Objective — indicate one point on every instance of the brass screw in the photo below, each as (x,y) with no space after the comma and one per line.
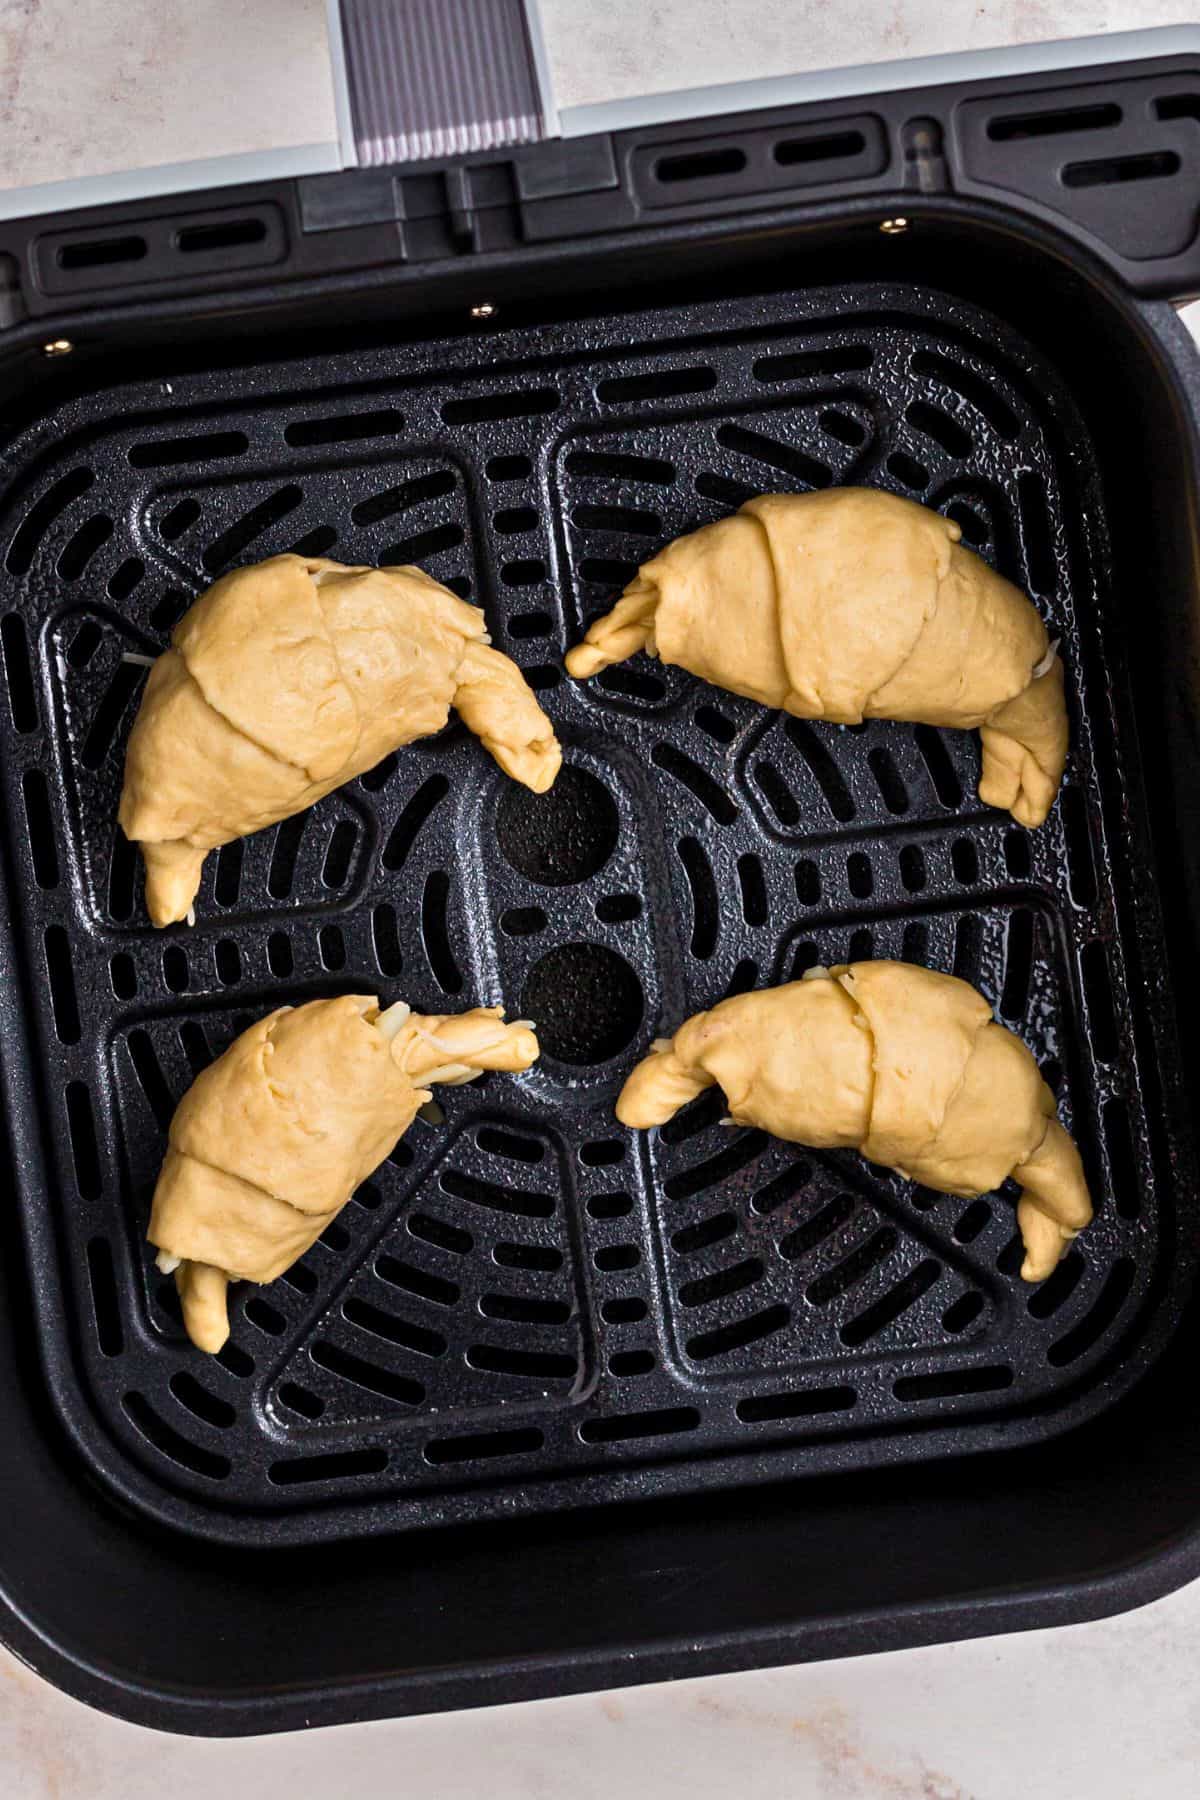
(58,347)
(485,310)
(893,227)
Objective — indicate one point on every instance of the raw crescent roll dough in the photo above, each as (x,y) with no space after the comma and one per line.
(898,1062)
(287,679)
(268,1144)
(853,604)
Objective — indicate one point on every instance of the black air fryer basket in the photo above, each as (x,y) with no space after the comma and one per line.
(552,1405)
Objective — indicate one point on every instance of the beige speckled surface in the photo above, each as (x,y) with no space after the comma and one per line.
(1110,1711)
(624,47)
(89,86)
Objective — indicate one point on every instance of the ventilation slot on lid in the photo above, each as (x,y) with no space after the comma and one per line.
(1011,126)
(758,162)
(1151,166)
(1178,106)
(160,250)
(701,165)
(220,234)
(95,253)
(839,144)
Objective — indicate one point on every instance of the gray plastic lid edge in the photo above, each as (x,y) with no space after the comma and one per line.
(609,115)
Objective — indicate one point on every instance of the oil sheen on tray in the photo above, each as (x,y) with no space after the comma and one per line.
(530,1307)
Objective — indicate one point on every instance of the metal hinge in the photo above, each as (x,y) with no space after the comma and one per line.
(422,79)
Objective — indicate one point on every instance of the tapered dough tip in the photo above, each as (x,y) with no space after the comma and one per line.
(202,1294)
(1032,810)
(628,1112)
(542,764)
(1046,1241)
(655,1089)
(534,765)
(168,901)
(211,1339)
(162,913)
(172,881)
(525,1047)
(1025,793)
(167,912)
(1006,791)
(585,660)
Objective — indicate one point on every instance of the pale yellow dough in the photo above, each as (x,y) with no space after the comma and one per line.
(898,1062)
(854,604)
(290,677)
(268,1144)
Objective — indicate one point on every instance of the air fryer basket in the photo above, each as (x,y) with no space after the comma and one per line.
(834,1417)
(530,1306)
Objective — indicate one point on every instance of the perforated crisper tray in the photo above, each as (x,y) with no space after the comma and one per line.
(527,1307)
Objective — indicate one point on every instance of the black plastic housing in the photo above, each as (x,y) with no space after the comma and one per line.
(714,1576)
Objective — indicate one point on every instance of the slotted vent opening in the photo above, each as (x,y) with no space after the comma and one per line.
(791,152)
(220,234)
(700,165)
(1009,127)
(1104,171)
(99,253)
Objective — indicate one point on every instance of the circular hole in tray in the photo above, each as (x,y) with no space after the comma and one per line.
(586,1000)
(560,837)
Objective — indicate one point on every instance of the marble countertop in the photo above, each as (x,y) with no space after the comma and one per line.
(1109,1710)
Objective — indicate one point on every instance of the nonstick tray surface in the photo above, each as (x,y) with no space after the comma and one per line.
(528,1307)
